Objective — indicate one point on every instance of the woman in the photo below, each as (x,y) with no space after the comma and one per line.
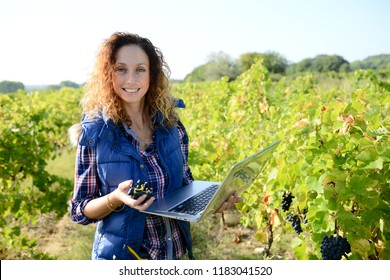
(130,131)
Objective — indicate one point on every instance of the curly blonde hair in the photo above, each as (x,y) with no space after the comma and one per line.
(99,91)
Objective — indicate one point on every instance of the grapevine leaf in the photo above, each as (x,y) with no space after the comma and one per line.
(312,184)
(378,164)
(370,200)
(299,247)
(365,156)
(272,174)
(361,247)
(332,204)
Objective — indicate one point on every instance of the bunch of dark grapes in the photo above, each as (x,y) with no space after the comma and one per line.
(140,189)
(286,201)
(295,223)
(333,248)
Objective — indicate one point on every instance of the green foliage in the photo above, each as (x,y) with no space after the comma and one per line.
(63,84)
(198,74)
(320,63)
(69,84)
(245,61)
(334,155)
(10,86)
(33,129)
(274,62)
(376,62)
(219,65)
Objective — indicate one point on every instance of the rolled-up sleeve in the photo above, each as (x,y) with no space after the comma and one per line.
(85,185)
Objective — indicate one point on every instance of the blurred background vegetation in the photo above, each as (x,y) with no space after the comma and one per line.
(223,65)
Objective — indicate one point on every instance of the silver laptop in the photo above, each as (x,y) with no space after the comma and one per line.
(196,200)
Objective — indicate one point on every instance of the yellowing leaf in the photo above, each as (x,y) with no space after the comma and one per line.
(378,164)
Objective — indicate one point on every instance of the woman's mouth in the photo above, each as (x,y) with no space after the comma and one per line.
(131,90)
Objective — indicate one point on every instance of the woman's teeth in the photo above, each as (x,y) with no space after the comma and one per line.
(131,90)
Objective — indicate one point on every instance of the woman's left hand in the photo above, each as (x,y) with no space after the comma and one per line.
(229,202)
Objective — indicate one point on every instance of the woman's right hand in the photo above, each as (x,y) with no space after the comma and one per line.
(122,194)
(99,208)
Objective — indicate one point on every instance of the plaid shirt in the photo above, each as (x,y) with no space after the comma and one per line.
(86,188)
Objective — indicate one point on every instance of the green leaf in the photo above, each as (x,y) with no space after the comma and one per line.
(299,247)
(361,247)
(312,184)
(378,164)
(365,156)
(272,174)
(332,204)
(370,200)
(358,184)
(348,222)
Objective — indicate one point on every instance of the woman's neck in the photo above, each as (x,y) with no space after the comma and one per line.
(140,124)
(136,114)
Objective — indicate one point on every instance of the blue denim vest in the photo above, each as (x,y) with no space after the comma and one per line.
(118,161)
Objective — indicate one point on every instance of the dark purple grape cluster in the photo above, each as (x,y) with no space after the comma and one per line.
(295,223)
(287,199)
(334,247)
(140,189)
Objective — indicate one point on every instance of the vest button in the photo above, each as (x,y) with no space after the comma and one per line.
(106,135)
(142,166)
(91,142)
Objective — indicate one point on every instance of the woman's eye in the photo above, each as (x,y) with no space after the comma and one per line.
(141,69)
(121,69)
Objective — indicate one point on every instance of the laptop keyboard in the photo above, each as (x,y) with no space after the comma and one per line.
(197,203)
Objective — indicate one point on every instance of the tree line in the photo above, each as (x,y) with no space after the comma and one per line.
(221,64)
(12,86)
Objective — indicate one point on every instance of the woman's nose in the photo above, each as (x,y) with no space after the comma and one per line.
(131,76)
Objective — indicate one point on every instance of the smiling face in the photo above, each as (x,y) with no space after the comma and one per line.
(131,75)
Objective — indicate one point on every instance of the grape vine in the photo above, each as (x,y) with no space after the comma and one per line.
(334,155)
(33,130)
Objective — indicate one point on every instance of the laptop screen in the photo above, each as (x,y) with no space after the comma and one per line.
(241,176)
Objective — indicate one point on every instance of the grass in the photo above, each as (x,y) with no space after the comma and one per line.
(215,241)
(64,163)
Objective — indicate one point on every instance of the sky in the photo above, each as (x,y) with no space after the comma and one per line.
(49,41)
